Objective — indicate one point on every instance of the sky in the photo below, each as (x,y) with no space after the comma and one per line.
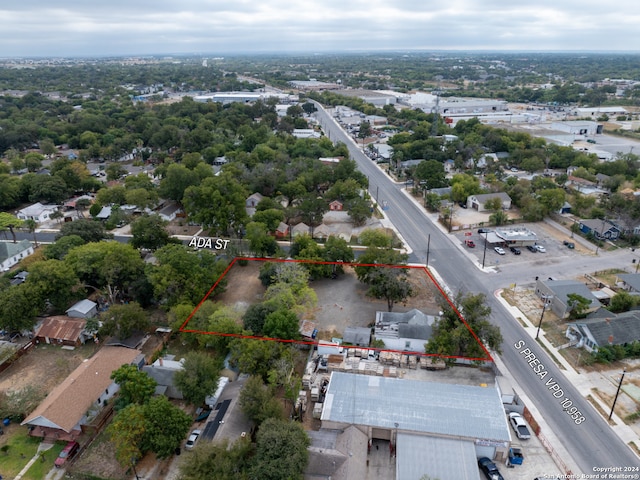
(43,28)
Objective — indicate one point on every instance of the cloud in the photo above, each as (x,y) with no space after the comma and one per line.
(118,27)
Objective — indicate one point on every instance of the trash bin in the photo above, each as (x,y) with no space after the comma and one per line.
(6,422)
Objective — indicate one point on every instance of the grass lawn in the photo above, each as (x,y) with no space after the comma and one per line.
(21,449)
(40,468)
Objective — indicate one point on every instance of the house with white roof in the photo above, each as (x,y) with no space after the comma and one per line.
(11,253)
(38,212)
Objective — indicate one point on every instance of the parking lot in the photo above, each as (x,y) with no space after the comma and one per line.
(547,237)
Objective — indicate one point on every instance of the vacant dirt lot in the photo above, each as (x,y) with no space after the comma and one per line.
(43,367)
(342,302)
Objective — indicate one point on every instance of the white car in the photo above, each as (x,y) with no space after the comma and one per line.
(499,250)
(540,248)
(193,438)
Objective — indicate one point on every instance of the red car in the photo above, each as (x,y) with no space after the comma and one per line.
(470,244)
(67,452)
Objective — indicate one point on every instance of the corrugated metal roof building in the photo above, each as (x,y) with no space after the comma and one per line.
(390,406)
(441,458)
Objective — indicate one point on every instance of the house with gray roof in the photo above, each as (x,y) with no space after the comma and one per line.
(337,454)
(11,253)
(407,331)
(83,309)
(600,229)
(556,293)
(479,201)
(360,336)
(630,282)
(163,371)
(613,329)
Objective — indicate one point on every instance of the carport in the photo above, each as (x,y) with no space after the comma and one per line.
(492,239)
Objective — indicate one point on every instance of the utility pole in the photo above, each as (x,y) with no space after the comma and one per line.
(428,245)
(617,393)
(546,300)
(484,254)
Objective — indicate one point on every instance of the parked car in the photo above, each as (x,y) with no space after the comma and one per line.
(532,249)
(67,452)
(540,248)
(470,243)
(519,426)
(462,204)
(591,140)
(193,438)
(483,230)
(499,250)
(569,244)
(489,469)
(515,250)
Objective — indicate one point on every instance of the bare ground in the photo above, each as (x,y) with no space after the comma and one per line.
(44,366)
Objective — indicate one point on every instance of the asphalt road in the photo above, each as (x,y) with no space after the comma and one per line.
(590,442)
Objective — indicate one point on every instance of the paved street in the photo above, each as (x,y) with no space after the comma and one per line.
(591,443)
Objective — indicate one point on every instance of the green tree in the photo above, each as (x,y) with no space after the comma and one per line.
(577,305)
(149,232)
(256,357)
(124,320)
(452,337)
(432,173)
(30,225)
(165,427)
(258,401)
(48,189)
(312,210)
(52,280)
(499,217)
(88,230)
(224,320)
(359,210)
(283,324)
(388,283)
(10,222)
(111,265)
(135,385)
(199,377)
(622,302)
(61,247)
(493,204)
(532,164)
(115,171)
(176,181)
(375,238)
(17,308)
(255,316)
(271,217)
(217,203)
(126,431)
(337,249)
(182,275)
(260,242)
(218,460)
(281,450)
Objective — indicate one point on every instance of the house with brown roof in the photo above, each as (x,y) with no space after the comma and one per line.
(61,330)
(336,205)
(72,405)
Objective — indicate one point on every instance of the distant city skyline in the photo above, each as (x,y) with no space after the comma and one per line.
(64,28)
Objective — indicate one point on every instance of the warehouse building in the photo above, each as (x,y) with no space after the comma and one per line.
(421,421)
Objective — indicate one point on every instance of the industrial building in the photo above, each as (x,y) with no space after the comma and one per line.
(423,423)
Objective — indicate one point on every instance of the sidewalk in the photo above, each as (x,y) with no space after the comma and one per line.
(580,381)
(43,447)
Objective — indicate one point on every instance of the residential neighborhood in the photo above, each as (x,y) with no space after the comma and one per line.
(382,279)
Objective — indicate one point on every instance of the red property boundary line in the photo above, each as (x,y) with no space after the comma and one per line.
(183,328)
